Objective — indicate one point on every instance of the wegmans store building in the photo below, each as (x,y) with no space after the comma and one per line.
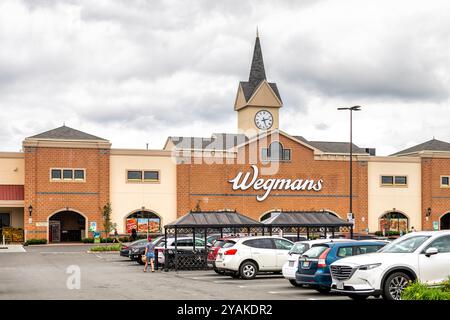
(57,187)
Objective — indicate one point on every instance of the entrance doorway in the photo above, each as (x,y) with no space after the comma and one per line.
(445,221)
(66,226)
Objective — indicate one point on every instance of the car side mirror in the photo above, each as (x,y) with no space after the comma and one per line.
(431,251)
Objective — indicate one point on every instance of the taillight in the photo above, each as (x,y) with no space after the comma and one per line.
(321,263)
(230,252)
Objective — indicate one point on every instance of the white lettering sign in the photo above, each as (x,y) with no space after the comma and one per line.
(247,181)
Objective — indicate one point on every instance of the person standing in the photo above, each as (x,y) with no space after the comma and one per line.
(133,235)
(149,254)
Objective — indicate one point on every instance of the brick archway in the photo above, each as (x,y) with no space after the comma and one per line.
(444,221)
(66,225)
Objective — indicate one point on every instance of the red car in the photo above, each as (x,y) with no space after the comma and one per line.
(214,249)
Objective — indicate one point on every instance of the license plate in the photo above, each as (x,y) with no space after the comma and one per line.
(305,264)
(291,263)
(340,285)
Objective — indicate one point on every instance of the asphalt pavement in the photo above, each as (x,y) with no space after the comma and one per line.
(70,272)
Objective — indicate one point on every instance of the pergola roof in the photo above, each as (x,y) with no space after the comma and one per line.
(213,219)
(305,219)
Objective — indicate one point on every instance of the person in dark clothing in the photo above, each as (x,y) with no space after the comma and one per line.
(133,235)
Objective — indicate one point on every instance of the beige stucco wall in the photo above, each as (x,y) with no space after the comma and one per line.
(12,166)
(128,197)
(404,199)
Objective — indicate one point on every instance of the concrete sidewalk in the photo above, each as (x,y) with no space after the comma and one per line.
(11,248)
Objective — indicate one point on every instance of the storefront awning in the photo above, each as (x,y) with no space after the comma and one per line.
(11,192)
(305,219)
(214,219)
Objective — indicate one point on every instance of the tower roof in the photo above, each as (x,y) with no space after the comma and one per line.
(257,74)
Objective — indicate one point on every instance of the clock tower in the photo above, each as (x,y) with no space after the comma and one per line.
(257,100)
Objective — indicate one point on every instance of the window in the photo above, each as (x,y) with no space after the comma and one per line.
(143,222)
(387,180)
(56,174)
(445,181)
(4,220)
(299,248)
(367,249)
(394,180)
(442,244)
(315,251)
(394,221)
(275,152)
(78,174)
(142,175)
(134,175)
(345,252)
(407,245)
(151,175)
(281,244)
(259,243)
(67,174)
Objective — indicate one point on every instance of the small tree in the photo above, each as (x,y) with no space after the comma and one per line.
(108,225)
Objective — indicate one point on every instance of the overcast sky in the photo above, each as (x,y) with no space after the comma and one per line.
(135,72)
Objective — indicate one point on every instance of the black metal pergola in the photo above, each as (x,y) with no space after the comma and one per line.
(306,222)
(201,224)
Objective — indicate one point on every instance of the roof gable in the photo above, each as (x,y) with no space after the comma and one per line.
(264,96)
(430,145)
(65,133)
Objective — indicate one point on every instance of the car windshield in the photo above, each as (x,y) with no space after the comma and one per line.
(315,251)
(299,248)
(138,242)
(407,245)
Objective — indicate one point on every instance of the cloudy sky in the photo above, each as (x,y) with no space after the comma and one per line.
(135,72)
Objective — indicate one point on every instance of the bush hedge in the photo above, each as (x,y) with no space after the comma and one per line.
(420,291)
(388,234)
(114,247)
(105,240)
(35,241)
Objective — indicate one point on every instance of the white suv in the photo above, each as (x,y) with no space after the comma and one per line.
(249,255)
(422,256)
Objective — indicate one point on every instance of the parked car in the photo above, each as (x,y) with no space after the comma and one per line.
(421,256)
(250,255)
(314,265)
(137,251)
(290,267)
(183,243)
(125,250)
(214,249)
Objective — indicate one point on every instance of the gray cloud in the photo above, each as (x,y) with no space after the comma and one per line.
(138,71)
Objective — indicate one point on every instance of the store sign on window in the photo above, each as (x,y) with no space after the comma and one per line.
(251,180)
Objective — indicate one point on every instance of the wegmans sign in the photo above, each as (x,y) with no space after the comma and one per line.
(251,180)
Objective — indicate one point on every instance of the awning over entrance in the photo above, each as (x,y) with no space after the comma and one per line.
(11,192)
(305,219)
(214,219)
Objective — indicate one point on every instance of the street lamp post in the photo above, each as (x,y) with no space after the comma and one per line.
(351,109)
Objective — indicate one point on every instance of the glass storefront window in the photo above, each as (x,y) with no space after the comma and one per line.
(394,221)
(143,222)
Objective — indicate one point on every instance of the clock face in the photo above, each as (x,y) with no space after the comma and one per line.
(263,120)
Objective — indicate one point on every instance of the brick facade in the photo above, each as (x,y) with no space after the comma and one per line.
(433,196)
(48,197)
(207,184)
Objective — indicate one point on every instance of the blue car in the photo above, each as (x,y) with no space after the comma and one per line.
(314,264)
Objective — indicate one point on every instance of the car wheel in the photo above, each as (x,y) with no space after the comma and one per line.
(294,283)
(323,289)
(394,285)
(357,297)
(141,260)
(248,270)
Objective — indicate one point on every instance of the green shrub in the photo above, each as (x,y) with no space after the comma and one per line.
(87,240)
(114,247)
(420,291)
(388,234)
(35,241)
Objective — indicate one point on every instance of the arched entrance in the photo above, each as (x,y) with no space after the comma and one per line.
(66,226)
(394,221)
(144,221)
(445,221)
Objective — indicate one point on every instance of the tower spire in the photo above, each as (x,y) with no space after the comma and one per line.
(257,71)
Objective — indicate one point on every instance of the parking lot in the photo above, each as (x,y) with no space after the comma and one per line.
(42,273)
